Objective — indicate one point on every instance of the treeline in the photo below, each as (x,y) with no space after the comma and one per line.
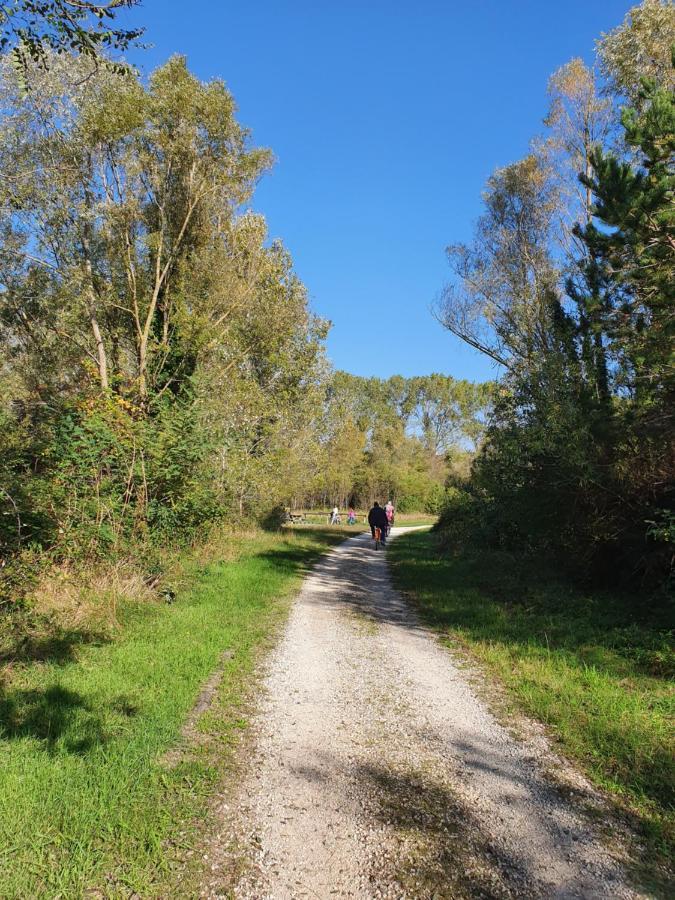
(160,370)
(399,439)
(568,286)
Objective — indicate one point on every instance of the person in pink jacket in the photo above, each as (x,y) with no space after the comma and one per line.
(389,511)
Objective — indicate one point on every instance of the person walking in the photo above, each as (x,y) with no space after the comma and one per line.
(377,518)
(335,516)
(389,512)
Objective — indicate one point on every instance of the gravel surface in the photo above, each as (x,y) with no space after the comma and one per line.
(378,773)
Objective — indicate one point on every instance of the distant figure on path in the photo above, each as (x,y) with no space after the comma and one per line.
(389,512)
(351,516)
(377,518)
(335,516)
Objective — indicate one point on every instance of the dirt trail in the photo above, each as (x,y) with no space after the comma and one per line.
(377,772)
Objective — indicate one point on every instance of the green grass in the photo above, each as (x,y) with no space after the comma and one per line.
(596,673)
(87,799)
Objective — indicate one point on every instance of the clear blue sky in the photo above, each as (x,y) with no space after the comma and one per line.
(386,118)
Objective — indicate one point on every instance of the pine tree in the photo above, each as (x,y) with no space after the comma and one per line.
(631,249)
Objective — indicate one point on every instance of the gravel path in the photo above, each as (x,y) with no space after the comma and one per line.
(377,772)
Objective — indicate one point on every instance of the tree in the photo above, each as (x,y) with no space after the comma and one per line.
(639,48)
(156,347)
(395,437)
(634,245)
(341,460)
(262,373)
(448,413)
(578,119)
(113,196)
(34,29)
(578,457)
(506,279)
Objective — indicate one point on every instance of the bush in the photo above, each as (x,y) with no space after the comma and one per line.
(18,574)
(274,518)
(464,519)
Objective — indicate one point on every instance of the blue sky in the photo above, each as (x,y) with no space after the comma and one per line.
(385,118)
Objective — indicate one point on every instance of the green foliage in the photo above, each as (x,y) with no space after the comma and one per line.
(33,29)
(464,517)
(159,364)
(634,248)
(395,439)
(577,460)
(662,528)
(640,48)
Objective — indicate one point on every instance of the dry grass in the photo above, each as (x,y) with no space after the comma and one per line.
(70,599)
(79,598)
(69,606)
(224,544)
(86,596)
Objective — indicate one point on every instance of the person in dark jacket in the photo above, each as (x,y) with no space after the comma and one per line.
(377,518)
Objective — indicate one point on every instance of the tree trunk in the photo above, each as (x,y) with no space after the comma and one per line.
(100,352)
(142,366)
(87,236)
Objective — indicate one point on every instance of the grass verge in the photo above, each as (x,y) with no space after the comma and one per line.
(588,666)
(88,804)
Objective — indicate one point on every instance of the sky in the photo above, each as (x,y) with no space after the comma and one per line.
(385,119)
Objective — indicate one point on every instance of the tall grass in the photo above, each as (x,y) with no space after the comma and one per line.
(87,801)
(596,668)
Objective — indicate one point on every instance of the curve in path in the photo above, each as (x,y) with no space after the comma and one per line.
(377,771)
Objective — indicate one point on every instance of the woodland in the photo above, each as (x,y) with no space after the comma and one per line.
(161,371)
(167,405)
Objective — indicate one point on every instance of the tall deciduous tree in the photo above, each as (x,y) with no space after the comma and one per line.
(579,118)
(157,347)
(448,412)
(500,302)
(640,48)
(112,193)
(398,437)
